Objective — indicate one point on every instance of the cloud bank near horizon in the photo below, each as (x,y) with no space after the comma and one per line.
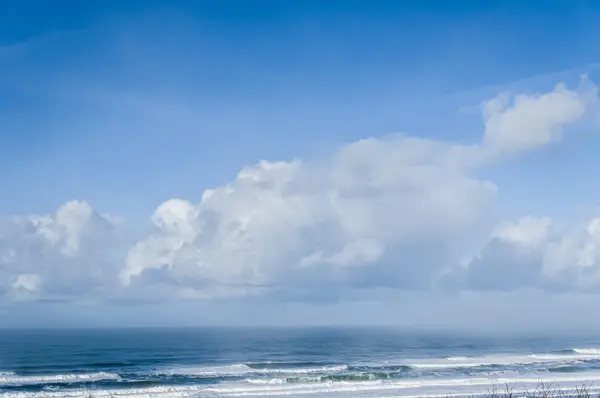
(396,212)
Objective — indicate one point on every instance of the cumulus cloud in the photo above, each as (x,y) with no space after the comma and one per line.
(395,212)
(378,212)
(58,255)
(534,253)
(527,121)
(529,232)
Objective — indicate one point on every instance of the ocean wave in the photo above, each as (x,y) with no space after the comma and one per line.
(212,371)
(486,363)
(275,377)
(419,387)
(12,379)
(324,379)
(372,388)
(155,392)
(247,369)
(564,356)
(564,369)
(282,365)
(587,351)
(458,358)
(379,368)
(578,351)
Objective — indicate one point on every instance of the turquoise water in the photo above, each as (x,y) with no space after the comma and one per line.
(285,362)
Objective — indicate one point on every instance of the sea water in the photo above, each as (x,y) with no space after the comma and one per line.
(303,362)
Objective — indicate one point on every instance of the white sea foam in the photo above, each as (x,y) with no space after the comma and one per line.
(307,379)
(11,379)
(421,387)
(210,371)
(587,351)
(404,388)
(242,369)
(293,371)
(488,360)
(274,380)
(269,381)
(421,363)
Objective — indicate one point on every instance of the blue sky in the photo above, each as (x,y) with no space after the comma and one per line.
(126,105)
(233,84)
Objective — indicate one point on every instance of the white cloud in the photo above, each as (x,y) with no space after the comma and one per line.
(528,121)
(378,212)
(528,232)
(533,253)
(574,258)
(58,255)
(396,212)
(25,286)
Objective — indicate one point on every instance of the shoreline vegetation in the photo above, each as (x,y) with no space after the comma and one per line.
(542,390)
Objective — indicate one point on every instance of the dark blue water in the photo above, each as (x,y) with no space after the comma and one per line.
(284,362)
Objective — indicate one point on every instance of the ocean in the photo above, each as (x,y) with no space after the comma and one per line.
(303,362)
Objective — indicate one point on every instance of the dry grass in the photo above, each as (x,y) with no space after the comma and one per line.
(543,390)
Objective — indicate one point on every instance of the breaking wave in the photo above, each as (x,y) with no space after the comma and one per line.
(12,379)
(425,375)
(252,368)
(277,387)
(587,351)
